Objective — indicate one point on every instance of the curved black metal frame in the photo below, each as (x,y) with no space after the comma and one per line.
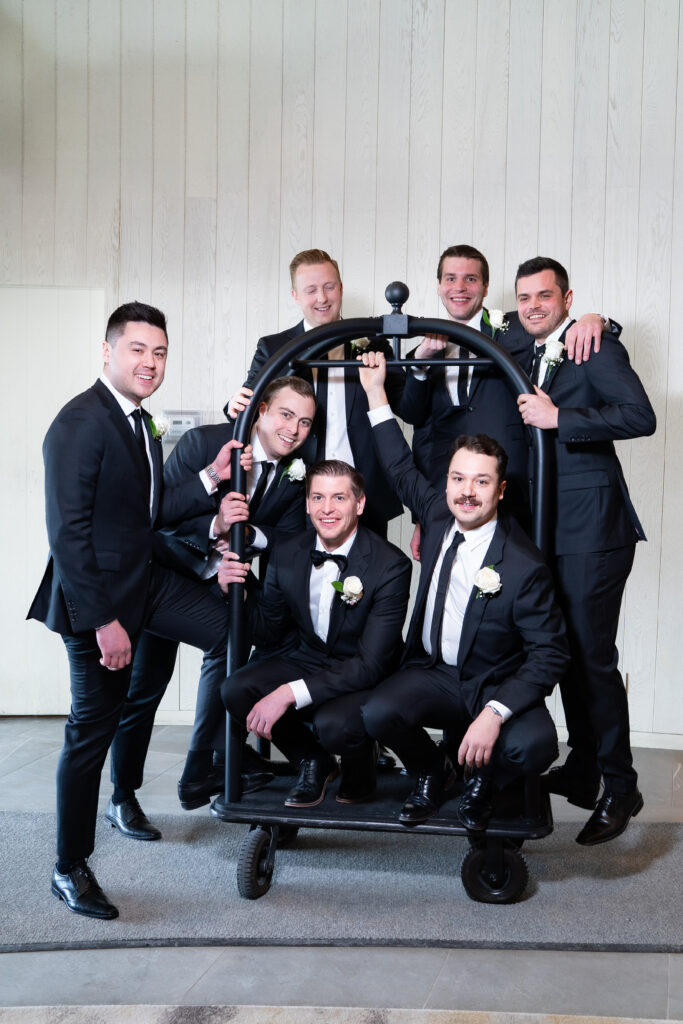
(302,350)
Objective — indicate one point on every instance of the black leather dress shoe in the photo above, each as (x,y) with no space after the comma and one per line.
(311,783)
(130,819)
(78,888)
(610,817)
(199,791)
(577,792)
(476,803)
(428,794)
(359,775)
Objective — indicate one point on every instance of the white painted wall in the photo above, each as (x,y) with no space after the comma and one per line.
(181,151)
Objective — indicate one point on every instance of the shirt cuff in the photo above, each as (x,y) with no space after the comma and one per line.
(212,529)
(208,483)
(380,415)
(504,712)
(302,697)
(259,540)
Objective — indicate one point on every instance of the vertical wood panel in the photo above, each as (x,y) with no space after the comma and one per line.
(298,98)
(38,240)
(11,119)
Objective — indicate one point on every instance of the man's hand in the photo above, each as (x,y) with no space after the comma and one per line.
(239,401)
(231,570)
(269,710)
(373,375)
(221,464)
(415,542)
(581,335)
(538,410)
(114,643)
(480,739)
(430,345)
(232,509)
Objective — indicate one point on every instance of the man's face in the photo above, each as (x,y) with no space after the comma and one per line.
(136,362)
(472,488)
(333,509)
(461,289)
(318,293)
(541,305)
(284,424)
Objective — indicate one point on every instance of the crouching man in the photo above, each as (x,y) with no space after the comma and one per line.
(486,642)
(335,597)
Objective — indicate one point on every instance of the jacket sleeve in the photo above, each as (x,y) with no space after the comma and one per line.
(396,459)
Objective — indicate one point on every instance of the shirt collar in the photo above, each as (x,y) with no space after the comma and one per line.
(482,534)
(556,334)
(343,550)
(258,452)
(126,405)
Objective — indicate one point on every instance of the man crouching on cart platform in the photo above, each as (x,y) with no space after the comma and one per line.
(486,642)
(336,599)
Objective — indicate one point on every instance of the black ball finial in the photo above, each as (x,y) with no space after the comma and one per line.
(396,294)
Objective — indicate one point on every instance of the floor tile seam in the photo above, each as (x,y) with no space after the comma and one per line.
(448,953)
(220,951)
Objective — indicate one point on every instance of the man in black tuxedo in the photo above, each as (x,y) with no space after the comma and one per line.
(274,506)
(104,491)
(486,642)
(586,408)
(341,428)
(337,597)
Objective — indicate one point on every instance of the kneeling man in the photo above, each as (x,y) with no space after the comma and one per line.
(486,642)
(336,599)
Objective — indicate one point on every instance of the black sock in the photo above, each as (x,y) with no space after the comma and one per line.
(119,795)
(66,866)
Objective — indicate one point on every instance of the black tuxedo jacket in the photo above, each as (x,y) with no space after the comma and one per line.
(364,640)
(98,518)
(186,545)
(382,502)
(513,646)
(600,401)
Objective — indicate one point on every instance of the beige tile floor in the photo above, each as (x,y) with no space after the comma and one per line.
(503,986)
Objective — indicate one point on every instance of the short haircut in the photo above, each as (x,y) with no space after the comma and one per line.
(133,312)
(302,387)
(311,258)
(335,467)
(540,263)
(464,252)
(482,444)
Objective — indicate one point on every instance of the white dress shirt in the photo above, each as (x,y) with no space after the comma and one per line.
(452,373)
(555,336)
(337,444)
(128,409)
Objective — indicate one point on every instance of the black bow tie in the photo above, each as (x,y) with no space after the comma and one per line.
(320,557)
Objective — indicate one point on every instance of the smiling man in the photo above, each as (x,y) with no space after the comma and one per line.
(585,409)
(486,642)
(103,493)
(273,506)
(337,599)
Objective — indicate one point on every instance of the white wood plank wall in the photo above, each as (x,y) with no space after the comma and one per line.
(181,151)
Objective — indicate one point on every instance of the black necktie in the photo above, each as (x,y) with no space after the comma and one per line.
(320,557)
(136,416)
(321,417)
(539,352)
(260,488)
(463,377)
(440,599)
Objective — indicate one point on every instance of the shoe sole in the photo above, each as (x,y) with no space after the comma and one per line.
(314,803)
(613,835)
(129,835)
(83,913)
(355,799)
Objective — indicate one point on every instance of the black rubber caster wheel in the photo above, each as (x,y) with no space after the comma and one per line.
(486,884)
(254,873)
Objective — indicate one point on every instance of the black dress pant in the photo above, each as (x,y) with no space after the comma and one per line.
(177,608)
(396,712)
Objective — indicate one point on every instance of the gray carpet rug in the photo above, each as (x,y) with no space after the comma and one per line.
(345,888)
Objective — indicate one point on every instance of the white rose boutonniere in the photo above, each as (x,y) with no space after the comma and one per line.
(159,427)
(295,471)
(488,581)
(554,354)
(359,345)
(351,589)
(495,318)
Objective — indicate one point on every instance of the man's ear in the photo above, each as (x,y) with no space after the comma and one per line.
(106,352)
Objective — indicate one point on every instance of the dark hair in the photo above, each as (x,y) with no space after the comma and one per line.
(540,263)
(464,252)
(302,387)
(311,258)
(482,444)
(335,467)
(133,312)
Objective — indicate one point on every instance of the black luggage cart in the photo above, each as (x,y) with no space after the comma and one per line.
(493,869)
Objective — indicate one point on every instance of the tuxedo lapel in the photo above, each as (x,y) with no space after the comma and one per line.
(358,565)
(476,606)
(477,372)
(157,463)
